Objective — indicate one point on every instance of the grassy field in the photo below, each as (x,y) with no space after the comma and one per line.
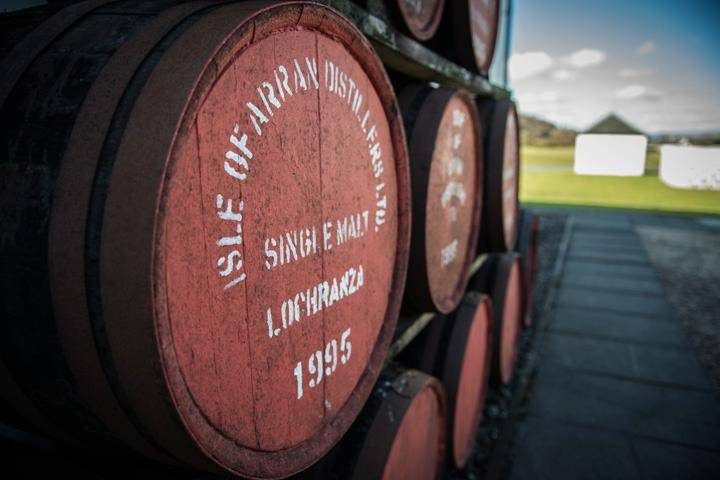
(547,178)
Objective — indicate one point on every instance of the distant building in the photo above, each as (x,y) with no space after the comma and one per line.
(611,147)
(612,124)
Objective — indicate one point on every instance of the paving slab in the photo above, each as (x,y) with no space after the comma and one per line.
(650,364)
(618,327)
(599,268)
(600,257)
(654,411)
(663,461)
(612,283)
(550,449)
(628,303)
(618,391)
(629,239)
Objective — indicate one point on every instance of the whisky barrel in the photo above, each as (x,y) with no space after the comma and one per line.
(499,277)
(446,170)
(468,33)
(502,172)
(421,18)
(457,350)
(205,229)
(527,247)
(399,434)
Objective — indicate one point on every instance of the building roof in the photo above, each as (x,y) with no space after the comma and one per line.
(613,124)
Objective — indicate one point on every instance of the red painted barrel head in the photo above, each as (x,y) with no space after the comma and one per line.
(446,168)
(450,214)
(502,161)
(510,175)
(511,322)
(472,384)
(416,451)
(483,19)
(422,17)
(282,235)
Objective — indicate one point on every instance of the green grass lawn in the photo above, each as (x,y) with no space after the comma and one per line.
(547,178)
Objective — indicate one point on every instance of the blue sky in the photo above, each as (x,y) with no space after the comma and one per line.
(655,62)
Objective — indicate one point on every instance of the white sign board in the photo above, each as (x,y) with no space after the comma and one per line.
(609,154)
(690,167)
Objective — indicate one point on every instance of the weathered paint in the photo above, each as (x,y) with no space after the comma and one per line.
(510,177)
(472,380)
(405,420)
(458,348)
(446,167)
(468,33)
(417,439)
(511,319)
(421,17)
(483,18)
(293,249)
(502,162)
(499,277)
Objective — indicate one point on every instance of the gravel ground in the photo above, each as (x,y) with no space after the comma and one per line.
(688,262)
(497,407)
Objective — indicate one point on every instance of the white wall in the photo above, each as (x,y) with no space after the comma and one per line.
(690,167)
(609,154)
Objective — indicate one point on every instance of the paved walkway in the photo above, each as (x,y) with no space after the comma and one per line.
(618,392)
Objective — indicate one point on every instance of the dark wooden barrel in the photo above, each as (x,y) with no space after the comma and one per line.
(527,247)
(468,32)
(500,278)
(502,173)
(421,18)
(446,171)
(457,349)
(399,434)
(205,229)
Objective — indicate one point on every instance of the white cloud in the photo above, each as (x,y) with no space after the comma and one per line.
(529,64)
(535,98)
(586,57)
(636,92)
(646,47)
(564,74)
(635,72)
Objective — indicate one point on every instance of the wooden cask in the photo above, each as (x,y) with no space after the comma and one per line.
(502,173)
(457,349)
(205,217)
(421,18)
(400,433)
(500,278)
(446,181)
(468,33)
(527,247)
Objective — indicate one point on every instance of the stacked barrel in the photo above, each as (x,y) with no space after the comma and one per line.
(207,238)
